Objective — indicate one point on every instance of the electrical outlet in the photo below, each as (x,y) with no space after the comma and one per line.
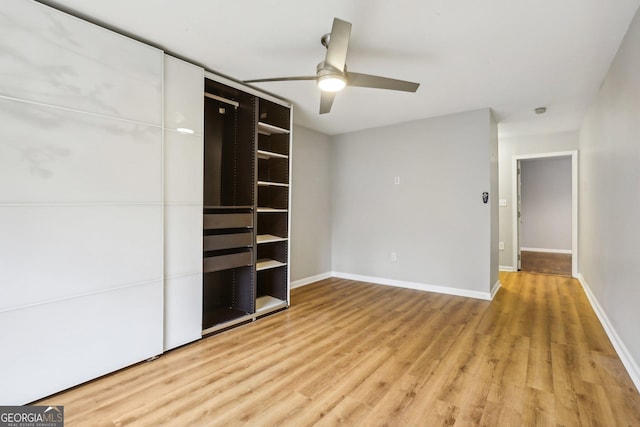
(396,180)
(501,246)
(503,202)
(394,257)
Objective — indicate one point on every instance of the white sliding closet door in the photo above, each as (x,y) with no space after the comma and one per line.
(81,201)
(183,172)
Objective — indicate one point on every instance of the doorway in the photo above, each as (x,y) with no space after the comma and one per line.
(545,213)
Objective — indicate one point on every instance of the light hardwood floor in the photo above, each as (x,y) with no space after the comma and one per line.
(352,353)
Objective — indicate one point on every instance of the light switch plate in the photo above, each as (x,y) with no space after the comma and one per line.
(503,202)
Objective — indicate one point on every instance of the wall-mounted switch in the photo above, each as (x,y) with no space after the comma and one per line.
(501,246)
(503,202)
(394,258)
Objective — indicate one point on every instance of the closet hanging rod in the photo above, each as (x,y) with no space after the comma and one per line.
(236,104)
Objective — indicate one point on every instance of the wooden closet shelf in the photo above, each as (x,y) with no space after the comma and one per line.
(271,210)
(267,129)
(264,154)
(266,264)
(267,302)
(272,184)
(218,207)
(269,238)
(215,316)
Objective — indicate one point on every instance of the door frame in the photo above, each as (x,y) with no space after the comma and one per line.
(515,162)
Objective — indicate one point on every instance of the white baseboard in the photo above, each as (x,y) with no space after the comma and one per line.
(553,251)
(494,290)
(506,268)
(309,280)
(627,359)
(414,285)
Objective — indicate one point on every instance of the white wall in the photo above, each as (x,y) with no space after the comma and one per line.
(546,203)
(434,220)
(311,205)
(516,146)
(609,205)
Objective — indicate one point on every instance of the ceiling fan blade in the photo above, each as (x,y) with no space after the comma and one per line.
(378,82)
(281,79)
(326,100)
(338,44)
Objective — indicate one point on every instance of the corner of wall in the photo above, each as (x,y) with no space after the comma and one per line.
(495,288)
(311,279)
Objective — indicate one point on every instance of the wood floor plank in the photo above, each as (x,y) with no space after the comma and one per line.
(539,408)
(467,356)
(508,396)
(343,386)
(475,399)
(564,377)
(508,355)
(391,410)
(499,416)
(353,353)
(348,412)
(556,327)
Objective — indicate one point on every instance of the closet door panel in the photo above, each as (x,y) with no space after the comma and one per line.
(61,344)
(183,168)
(50,57)
(183,200)
(183,95)
(59,252)
(81,259)
(183,240)
(183,310)
(49,155)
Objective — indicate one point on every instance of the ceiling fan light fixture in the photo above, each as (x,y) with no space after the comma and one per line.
(331,83)
(332,75)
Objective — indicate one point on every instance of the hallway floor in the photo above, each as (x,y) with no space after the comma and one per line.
(545,263)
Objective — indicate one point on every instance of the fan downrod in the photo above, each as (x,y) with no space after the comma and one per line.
(325,40)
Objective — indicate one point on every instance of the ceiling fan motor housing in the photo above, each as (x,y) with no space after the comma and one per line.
(324,69)
(329,78)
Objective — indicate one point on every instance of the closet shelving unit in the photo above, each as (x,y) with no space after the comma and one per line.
(246,212)
(272,213)
(229,213)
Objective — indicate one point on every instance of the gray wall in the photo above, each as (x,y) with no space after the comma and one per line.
(609,204)
(516,146)
(311,204)
(434,220)
(546,203)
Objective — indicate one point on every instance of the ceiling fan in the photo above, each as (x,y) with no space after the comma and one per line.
(332,75)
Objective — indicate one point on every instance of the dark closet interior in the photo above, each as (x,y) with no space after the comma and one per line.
(229,193)
(246,206)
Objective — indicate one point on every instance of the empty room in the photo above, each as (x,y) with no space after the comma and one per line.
(290,213)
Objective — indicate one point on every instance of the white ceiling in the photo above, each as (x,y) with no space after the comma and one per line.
(509,55)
